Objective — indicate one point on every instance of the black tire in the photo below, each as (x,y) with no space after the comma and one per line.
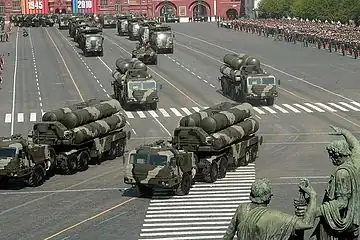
(153,106)
(120,149)
(83,160)
(101,54)
(270,101)
(71,163)
(223,167)
(37,176)
(212,173)
(143,190)
(246,159)
(254,153)
(185,185)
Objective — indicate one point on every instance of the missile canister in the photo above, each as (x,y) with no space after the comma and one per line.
(58,114)
(122,65)
(90,114)
(118,76)
(234,133)
(235,61)
(98,128)
(226,118)
(230,73)
(194,119)
(137,64)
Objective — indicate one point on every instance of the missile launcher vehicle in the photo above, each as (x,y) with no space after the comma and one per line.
(159,165)
(122,25)
(220,137)
(74,24)
(244,80)
(133,85)
(90,27)
(145,54)
(145,30)
(83,132)
(108,21)
(64,22)
(22,159)
(134,28)
(91,41)
(162,39)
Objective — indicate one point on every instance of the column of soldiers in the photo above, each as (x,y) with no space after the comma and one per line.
(332,37)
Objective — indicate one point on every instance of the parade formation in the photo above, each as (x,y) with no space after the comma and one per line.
(105,152)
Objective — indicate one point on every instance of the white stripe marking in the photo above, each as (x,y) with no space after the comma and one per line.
(280,109)
(269,110)
(153,114)
(349,106)
(182,228)
(196,199)
(186,215)
(326,107)
(187,219)
(8,118)
(258,110)
(193,207)
(193,211)
(356,103)
(180,233)
(20,117)
(303,108)
(182,224)
(33,117)
(186,111)
(176,112)
(291,108)
(196,109)
(339,107)
(187,238)
(164,112)
(129,114)
(314,107)
(141,114)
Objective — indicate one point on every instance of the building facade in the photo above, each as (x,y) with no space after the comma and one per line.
(184,9)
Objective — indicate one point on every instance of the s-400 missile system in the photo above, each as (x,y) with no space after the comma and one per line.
(22,159)
(122,25)
(134,28)
(162,39)
(133,85)
(79,134)
(244,80)
(159,165)
(220,137)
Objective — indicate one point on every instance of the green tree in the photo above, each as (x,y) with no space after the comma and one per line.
(275,8)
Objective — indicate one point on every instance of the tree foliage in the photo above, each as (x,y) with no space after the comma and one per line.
(331,10)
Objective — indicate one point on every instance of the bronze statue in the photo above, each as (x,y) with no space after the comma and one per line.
(256,221)
(340,211)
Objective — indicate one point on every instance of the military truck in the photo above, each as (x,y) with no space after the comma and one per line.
(221,137)
(24,160)
(244,80)
(64,22)
(108,21)
(80,135)
(159,165)
(133,85)
(91,41)
(145,54)
(145,30)
(122,25)
(161,39)
(134,28)
(75,23)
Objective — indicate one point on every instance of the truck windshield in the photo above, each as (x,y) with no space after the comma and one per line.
(7,152)
(164,35)
(261,80)
(146,159)
(142,85)
(149,85)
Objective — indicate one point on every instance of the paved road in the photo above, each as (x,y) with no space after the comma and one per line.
(316,92)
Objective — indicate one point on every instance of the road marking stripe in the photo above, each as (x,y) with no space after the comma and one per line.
(181,224)
(258,110)
(269,109)
(303,108)
(280,109)
(356,103)
(183,228)
(33,117)
(291,108)
(164,112)
(176,112)
(196,109)
(141,114)
(20,117)
(349,106)
(180,233)
(8,118)
(326,107)
(129,114)
(339,107)
(186,238)
(314,107)
(186,111)
(153,114)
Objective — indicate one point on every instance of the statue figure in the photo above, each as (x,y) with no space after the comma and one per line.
(256,221)
(340,210)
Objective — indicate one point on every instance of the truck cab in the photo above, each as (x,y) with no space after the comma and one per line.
(134,28)
(261,86)
(158,165)
(122,25)
(64,22)
(162,39)
(108,21)
(91,41)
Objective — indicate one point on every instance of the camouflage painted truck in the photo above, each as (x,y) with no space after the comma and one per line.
(162,39)
(122,25)
(133,85)
(91,41)
(221,137)
(243,80)
(82,134)
(159,165)
(22,159)
(145,54)
(134,28)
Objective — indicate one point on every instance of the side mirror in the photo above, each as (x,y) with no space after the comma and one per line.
(278,81)
(160,86)
(128,135)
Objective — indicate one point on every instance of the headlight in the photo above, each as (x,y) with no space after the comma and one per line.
(161,37)
(67,134)
(209,140)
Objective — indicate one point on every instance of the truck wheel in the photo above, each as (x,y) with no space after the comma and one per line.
(153,106)
(3,182)
(120,149)
(185,185)
(83,160)
(270,101)
(212,173)
(155,61)
(86,54)
(71,163)
(223,167)
(101,54)
(37,176)
(144,190)
(246,159)
(253,153)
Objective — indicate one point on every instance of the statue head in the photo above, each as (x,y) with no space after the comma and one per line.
(338,151)
(261,191)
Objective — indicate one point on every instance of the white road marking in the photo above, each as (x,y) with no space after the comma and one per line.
(258,110)
(20,117)
(164,112)
(326,107)
(176,112)
(129,114)
(349,106)
(303,108)
(269,109)
(141,114)
(153,114)
(280,109)
(196,109)
(33,117)
(314,107)
(8,118)
(186,111)
(338,107)
(14,84)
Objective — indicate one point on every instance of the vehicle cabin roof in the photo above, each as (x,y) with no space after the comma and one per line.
(138,75)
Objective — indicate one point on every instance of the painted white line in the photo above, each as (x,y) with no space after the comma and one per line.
(326,107)
(280,108)
(186,111)
(314,107)
(182,228)
(176,112)
(165,208)
(174,200)
(356,103)
(186,238)
(164,112)
(182,224)
(187,219)
(349,106)
(141,114)
(302,107)
(33,117)
(339,107)
(20,117)
(153,114)
(14,84)
(180,233)
(258,110)
(129,114)
(269,109)
(196,109)
(8,118)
